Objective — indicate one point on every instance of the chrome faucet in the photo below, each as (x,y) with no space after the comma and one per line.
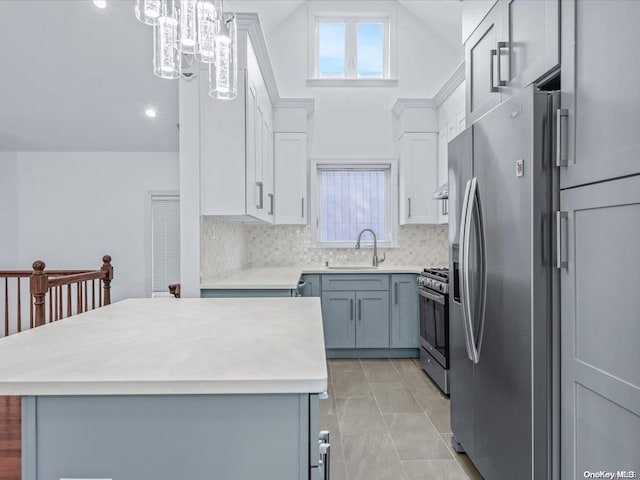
(376,260)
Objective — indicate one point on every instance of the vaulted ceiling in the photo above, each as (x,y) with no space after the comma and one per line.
(78,78)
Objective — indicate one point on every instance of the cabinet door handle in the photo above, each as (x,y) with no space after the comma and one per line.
(560,263)
(271,203)
(302,211)
(409,215)
(493,53)
(324,445)
(351,306)
(395,286)
(501,45)
(359,309)
(260,203)
(562,156)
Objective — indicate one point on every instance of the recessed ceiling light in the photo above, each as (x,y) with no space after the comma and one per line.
(150,112)
(100,3)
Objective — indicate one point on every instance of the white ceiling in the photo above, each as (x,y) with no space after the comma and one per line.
(77,78)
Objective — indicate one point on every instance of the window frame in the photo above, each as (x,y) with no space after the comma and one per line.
(391,208)
(351,18)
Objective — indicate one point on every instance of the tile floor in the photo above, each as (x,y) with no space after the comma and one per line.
(389,421)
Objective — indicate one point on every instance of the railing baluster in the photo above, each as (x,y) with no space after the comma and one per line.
(54,292)
(93,294)
(50,305)
(6,306)
(60,302)
(19,309)
(86,302)
(68,300)
(100,294)
(78,298)
(31,311)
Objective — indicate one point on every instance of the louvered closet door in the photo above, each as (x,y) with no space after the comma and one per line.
(165,242)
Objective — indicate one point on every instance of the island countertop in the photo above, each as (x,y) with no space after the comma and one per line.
(166,346)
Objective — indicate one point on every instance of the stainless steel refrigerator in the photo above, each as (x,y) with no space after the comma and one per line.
(503,192)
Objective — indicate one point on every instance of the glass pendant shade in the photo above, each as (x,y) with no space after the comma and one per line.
(148,11)
(188,27)
(207,26)
(166,56)
(223,80)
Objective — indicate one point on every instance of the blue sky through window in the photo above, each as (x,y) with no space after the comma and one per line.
(370,50)
(331,43)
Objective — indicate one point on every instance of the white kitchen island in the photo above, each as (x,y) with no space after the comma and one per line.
(166,388)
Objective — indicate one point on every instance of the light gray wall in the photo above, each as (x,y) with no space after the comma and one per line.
(74,207)
(8,211)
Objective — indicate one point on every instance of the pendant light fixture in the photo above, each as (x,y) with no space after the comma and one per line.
(188,30)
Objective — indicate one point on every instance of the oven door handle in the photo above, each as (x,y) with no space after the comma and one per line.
(432,296)
(465,228)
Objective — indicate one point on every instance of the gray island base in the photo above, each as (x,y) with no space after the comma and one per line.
(169,437)
(166,389)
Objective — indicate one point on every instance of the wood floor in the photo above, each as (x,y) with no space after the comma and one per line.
(10,438)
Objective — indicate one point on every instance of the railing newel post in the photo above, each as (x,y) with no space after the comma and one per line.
(107,269)
(39,286)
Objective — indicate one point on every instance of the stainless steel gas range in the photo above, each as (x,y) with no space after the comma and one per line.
(433,287)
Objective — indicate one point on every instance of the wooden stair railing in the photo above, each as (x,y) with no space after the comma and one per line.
(54,294)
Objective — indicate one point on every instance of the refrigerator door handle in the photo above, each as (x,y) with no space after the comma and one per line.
(464,218)
(483,269)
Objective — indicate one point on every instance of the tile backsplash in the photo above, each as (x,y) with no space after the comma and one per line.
(223,248)
(228,247)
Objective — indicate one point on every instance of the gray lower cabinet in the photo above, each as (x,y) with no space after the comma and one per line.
(169,437)
(600,327)
(370,315)
(372,325)
(600,91)
(356,319)
(338,317)
(405,320)
(311,286)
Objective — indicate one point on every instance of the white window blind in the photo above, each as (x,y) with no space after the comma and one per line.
(165,241)
(352,200)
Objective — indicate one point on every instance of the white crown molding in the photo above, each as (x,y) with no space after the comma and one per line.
(307,103)
(404,103)
(447,89)
(250,22)
(450,85)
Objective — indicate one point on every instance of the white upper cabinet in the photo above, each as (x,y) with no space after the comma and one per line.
(516,43)
(291,178)
(600,94)
(236,149)
(418,178)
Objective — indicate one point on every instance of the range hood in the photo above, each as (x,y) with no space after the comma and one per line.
(442,192)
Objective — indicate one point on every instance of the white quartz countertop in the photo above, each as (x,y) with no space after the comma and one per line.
(286,278)
(172,346)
